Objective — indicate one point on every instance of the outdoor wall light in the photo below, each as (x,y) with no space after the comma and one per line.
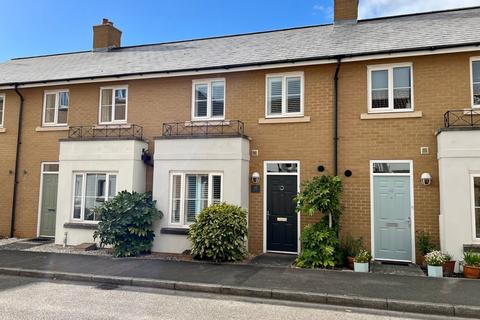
(255,178)
(426,178)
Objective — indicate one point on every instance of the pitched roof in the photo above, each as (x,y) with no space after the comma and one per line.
(382,35)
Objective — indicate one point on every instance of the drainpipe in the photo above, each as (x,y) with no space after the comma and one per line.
(17,159)
(335,117)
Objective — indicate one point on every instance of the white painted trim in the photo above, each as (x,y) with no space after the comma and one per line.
(412,204)
(39,211)
(113,88)
(208,83)
(389,68)
(284,77)
(265,174)
(249,68)
(57,99)
(2,119)
(472,60)
(472,192)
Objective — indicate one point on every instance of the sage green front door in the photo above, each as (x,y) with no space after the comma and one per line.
(48,210)
(392,218)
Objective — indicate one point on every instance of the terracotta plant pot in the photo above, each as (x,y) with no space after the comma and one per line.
(471,272)
(350,261)
(449,267)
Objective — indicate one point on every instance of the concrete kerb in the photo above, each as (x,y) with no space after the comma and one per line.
(308,297)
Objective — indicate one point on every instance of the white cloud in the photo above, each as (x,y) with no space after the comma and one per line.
(324,10)
(380,8)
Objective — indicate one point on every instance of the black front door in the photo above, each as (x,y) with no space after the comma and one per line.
(281,216)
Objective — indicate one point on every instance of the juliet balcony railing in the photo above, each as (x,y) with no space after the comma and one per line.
(130,131)
(203,129)
(462,118)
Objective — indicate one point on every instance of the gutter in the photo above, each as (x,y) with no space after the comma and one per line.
(335,116)
(17,159)
(250,64)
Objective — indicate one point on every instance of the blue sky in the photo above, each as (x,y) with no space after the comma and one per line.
(35,27)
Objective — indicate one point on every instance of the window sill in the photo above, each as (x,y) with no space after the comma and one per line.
(202,123)
(173,230)
(391,115)
(80,225)
(284,120)
(3,130)
(52,128)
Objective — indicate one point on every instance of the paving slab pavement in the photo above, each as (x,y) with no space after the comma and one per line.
(408,293)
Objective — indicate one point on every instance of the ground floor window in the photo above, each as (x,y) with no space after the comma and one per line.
(191,193)
(90,191)
(476,206)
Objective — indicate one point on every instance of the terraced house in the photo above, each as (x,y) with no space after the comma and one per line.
(389,104)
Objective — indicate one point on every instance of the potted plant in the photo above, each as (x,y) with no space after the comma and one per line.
(435,261)
(424,244)
(471,265)
(362,261)
(351,248)
(449,265)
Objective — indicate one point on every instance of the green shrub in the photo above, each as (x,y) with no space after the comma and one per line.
(219,233)
(319,243)
(126,223)
(471,259)
(424,242)
(351,246)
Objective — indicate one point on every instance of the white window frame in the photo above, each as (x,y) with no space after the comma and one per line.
(389,68)
(2,118)
(55,118)
(472,191)
(208,83)
(113,88)
(182,223)
(472,60)
(84,192)
(284,77)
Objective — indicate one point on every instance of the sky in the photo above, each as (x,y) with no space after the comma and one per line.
(37,27)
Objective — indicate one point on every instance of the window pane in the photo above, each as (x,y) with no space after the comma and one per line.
(90,192)
(120,104)
(216,189)
(379,99)
(89,205)
(50,108)
(176,198)
(101,186)
(218,99)
(380,79)
(476,71)
(476,94)
(201,93)
(401,88)
(282,167)
(112,186)
(196,196)
(401,77)
(2,102)
(379,89)
(63,100)
(402,99)
(77,205)
(274,95)
(477,222)
(50,167)
(106,106)
(386,167)
(476,189)
(293,94)
(62,116)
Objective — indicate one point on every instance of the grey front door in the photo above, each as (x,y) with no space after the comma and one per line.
(392,218)
(48,210)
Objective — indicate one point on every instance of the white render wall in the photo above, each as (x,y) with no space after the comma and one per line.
(458,158)
(229,156)
(120,156)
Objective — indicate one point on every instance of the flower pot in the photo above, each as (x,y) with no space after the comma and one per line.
(471,272)
(350,261)
(361,266)
(449,267)
(435,271)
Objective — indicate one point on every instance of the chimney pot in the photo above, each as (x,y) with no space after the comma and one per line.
(345,11)
(106,36)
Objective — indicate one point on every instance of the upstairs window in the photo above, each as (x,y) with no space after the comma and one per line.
(208,99)
(190,193)
(476,83)
(55,108)
(284,95)
(2,110)
(390,88)
(113,105)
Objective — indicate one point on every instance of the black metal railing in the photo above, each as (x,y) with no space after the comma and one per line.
(462,118)
(204,128)
(106,131)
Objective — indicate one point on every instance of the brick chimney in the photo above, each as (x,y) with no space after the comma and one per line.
(106,36)
(345,11)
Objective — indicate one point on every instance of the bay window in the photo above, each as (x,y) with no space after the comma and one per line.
(55,108)
(476,83)
(113,105)
(284,95)
(208,99)
(390,88)
(91,190)
(190,193)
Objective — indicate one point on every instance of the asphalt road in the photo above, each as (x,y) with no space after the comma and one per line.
(29,298)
